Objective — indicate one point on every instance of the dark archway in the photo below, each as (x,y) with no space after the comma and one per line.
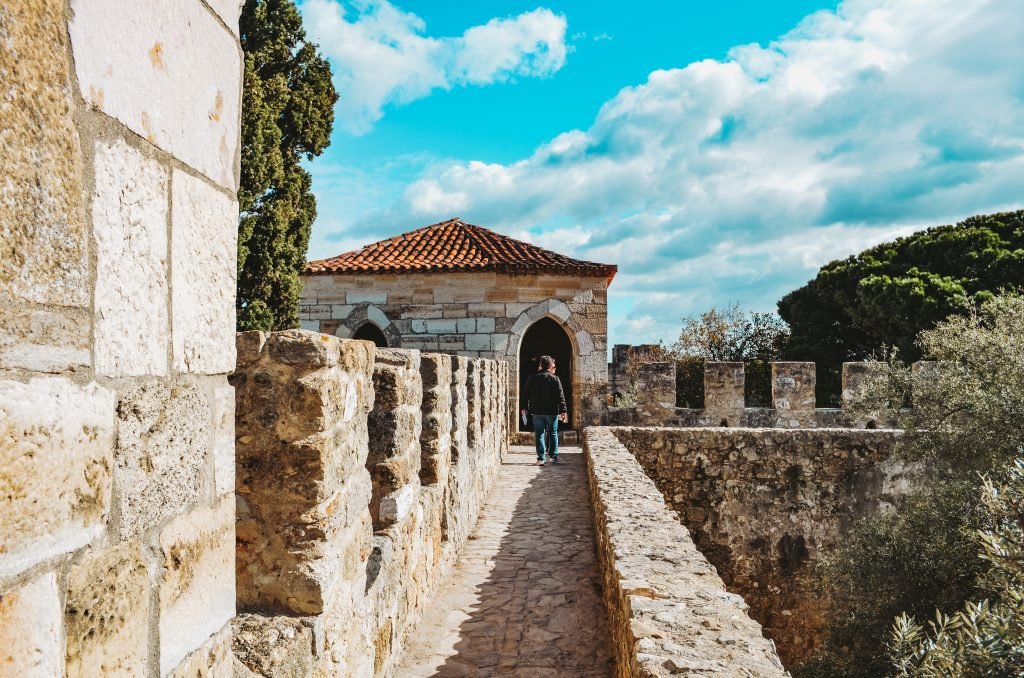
(547,337)
(370,332)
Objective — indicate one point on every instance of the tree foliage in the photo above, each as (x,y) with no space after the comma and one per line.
(287,116)
(966,418)
(887,294)
(968,408)
(986,637)
(728,335)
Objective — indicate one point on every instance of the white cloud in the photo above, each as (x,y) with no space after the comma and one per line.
(736,179)
(381,56)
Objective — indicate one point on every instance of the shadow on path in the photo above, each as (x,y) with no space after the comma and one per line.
(524,598)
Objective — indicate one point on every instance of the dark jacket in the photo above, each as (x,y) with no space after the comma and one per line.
(543,394)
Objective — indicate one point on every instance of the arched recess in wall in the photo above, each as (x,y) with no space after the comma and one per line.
(582,347)
(367,318)
(548,337)
(370,332)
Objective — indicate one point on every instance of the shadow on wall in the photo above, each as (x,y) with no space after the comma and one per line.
(528,585)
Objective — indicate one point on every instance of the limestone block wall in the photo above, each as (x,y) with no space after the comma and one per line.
(360,472)
(793,404)
(669,612)
(117,280)
(763,505)
(476,315)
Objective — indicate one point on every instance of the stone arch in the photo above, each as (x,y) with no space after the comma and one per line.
(582,346)
(364,313)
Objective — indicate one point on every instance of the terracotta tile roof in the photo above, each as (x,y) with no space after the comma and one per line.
(454,245)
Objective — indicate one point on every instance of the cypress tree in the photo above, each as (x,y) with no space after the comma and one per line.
(287,115)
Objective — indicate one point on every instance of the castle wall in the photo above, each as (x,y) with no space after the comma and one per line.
(793,404)
(763,505)
(117,268)
(360,474)
(476,315)
(669,612)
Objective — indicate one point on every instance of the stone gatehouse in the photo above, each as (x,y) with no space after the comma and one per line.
(456,288)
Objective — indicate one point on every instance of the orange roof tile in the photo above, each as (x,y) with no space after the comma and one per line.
(454,245)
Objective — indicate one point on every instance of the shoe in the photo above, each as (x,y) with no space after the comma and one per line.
(540,462)
(554,460)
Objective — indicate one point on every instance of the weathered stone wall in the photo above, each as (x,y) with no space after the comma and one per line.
(360,474)
(120,148)
(793,404)
(477,315)
(764,504)
(669,612)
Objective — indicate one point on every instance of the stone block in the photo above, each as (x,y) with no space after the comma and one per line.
(274,646)
(857,375)
(485,325)
(478,342)
(45,242)
(423,311)
(309,325)
(224,439)
(30,630)
(499,342)
(43,341)
(560,311)
(419,326)
(441,326)
(465,325)
(55,442)
(793,393)
(158,81)
(228,11)
(204,232)
(366,297)
(315,311)
(107,613)
(723,392)
(486,310)
(197,593)
(212,660)
(162,452)
(130,226)
(377,317)
(341,311)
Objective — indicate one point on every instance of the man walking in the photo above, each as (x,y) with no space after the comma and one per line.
(543,398)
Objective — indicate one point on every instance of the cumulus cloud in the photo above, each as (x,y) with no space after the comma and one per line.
(735,179)
(381,56)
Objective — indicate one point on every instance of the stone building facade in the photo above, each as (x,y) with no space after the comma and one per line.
(457,288)
(120,128)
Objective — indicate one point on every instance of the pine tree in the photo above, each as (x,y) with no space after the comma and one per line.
(287,115)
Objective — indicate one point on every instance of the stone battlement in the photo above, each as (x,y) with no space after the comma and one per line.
(360,473)
(793,398)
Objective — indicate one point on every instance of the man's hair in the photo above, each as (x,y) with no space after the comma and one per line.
(546,362)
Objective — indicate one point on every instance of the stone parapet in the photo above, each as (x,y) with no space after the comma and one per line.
(764,505)
(360,473)
(121,136)
(669,612)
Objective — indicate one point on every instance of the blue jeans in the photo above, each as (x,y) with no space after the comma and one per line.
(542,423)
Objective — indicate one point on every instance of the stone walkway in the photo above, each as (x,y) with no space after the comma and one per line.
(524,598)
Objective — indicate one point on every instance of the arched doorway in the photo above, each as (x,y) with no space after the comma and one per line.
(370,332)
(547,337)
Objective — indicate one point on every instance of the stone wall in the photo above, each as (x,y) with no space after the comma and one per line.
(669,612)
(764,504)
(476,315)
(117,267)
(793,404)
(360,473)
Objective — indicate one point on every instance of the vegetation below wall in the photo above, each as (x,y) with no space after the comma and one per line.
(966,421)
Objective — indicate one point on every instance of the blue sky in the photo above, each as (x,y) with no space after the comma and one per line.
(718,152)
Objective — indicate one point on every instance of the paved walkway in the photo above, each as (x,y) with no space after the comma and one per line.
(524,598)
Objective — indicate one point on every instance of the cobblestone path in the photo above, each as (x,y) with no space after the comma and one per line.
(524,598)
